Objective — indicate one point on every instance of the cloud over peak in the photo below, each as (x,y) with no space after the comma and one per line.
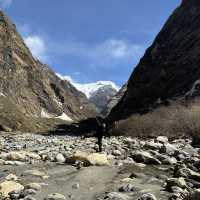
(118,49)
(110,49)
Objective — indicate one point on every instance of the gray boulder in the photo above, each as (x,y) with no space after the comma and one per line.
(147,196)
(145,157)
(168,149)
(127,188)
(116,196)
(162,139)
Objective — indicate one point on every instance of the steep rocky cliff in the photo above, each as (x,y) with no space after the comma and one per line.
(32,87)
(101,97)
(112,102)
(98,93)
(170,68)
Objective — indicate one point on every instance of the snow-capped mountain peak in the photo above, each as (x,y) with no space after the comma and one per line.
(98,93)
(90,88)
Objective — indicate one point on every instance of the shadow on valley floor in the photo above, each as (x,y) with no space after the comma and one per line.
(83,128)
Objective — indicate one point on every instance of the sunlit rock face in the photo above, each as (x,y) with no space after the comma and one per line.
(30,88)
(114,100)
(101,97)
(98,93)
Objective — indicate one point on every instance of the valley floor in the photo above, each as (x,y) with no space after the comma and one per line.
(66,167)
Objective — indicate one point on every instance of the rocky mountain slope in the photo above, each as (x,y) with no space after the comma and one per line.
(169,69)
(114,100)
(101,97)
(90,88)
(98,93)
(31,88)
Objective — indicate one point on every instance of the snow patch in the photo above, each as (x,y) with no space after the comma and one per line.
(89,88)
(2,94)
(64,117)
(44,114)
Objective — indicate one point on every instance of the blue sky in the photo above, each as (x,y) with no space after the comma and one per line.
(90,40)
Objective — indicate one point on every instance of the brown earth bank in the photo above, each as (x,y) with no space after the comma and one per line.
(176,120)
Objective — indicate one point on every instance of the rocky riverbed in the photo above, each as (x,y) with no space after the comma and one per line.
(36,167)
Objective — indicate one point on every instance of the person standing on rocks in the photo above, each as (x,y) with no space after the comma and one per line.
(102,130)
(100,133)
(98,127)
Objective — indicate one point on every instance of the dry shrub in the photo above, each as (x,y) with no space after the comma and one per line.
(173,121)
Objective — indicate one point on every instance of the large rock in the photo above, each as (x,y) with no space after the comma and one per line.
(128,187)
(153,145)
(98,159)
(145,157)
(33,155)
(117,153)
(162,139)
(19,156)
(169,149)
(116,196)
(147,196)
(11,177)
(80,156)
(169,161)
(60,158)
(90,159)
(188,173)
(179,182)
(8,186)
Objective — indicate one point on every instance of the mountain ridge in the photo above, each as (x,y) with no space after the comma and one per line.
(160,67)
(33,86)
(102,96)
(162,95)
(113,101)
(98,93)
(89,88)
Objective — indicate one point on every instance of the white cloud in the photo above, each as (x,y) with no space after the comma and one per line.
(37,46)
(35,42)
(5,3)
(107,53)
(118,49)
(88,88)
